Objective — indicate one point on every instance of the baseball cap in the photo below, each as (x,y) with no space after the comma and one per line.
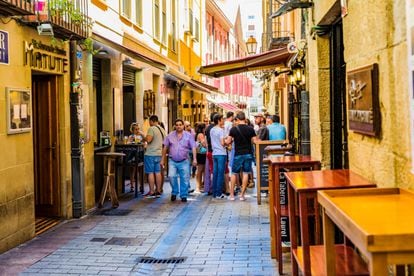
(259,115)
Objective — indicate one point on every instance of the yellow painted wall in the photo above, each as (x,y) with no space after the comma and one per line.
(374,32)
(16,163)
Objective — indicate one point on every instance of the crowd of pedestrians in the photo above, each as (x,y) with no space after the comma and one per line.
(218,152)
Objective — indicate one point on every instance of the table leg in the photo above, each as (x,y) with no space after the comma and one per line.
(112,191)
(105,186)
(304,232)
(273,251)
(378,264)
(293,228)
(329,244)
(136,180)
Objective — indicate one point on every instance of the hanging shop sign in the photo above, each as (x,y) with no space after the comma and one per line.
(363,102)
(4,47)
(44,57)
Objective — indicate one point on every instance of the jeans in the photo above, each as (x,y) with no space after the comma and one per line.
(219,162)
(179,169)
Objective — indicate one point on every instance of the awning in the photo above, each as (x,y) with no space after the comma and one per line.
(267,60)
(228,107)
(192,83)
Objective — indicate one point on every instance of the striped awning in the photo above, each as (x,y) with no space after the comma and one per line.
(228,106)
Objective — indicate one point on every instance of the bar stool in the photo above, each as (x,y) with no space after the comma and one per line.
(109,182)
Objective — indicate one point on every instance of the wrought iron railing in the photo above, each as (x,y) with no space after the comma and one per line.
(16,7)
(276,40)
(69,18)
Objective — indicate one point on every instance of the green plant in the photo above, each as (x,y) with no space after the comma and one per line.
(68,9)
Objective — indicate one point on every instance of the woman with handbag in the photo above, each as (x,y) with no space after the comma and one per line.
(201,143)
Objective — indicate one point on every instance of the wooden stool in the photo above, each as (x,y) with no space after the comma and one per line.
(109,182)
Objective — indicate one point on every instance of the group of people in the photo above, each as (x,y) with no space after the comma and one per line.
(213,149)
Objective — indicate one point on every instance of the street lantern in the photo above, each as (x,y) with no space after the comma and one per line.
(251,45)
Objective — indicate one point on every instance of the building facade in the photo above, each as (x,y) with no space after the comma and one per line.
(341,49)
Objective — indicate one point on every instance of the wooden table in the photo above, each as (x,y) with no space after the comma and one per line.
(278,211)
(109,182)
(380,222)
(137,150)
(302,191)
(262,171)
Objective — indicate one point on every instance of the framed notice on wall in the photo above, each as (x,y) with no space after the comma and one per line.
(410,47)
(19,110)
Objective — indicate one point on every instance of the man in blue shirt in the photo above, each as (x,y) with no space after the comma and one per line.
(277,131)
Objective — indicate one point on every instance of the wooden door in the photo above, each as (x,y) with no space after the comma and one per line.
(46,145)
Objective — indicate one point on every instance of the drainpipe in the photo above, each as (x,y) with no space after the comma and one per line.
(304,118)
(76,157)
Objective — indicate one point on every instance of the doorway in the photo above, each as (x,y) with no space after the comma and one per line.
(129,109)
(339,132)
(45,91)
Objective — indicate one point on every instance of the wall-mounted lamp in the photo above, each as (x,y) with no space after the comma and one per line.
(102,52)
(296,75)
(251,45)
(128,61)
(45,29)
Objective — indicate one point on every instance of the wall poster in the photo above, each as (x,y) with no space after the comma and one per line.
(410,48)
(19,110)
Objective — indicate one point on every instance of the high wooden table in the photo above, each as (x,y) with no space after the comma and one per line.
(278,212)
(380,222)
(109,182)
(302,191)
(136,154)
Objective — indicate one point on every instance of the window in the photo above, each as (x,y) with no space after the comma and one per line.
(138,12)
(196,32)
(190,21)
(250,17)
(126,8)
(164,22)
(157,19)
(250,27)
(173,45)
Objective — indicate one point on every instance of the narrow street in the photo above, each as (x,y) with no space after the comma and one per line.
(154,237)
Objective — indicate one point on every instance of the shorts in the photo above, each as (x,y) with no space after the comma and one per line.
(152,164)
(242,163)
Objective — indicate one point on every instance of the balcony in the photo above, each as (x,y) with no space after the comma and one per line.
(275,40)
(16,7)
(69,18)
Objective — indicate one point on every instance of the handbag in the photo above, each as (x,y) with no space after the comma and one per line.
(201,149)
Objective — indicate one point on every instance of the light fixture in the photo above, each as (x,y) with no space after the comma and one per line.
(291,5)
(102,52)
(128,61)
(251,45)
(45,29)
(297,74)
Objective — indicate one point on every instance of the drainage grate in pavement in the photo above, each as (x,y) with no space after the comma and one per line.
(113,212)
(124,241)
(151,260)
(98,239)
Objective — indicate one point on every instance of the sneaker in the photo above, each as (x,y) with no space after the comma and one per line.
(191,191)
(147,194)
(157,195)
(184,199)
(150,196)
(197,192)
(231,198)
(173,197)
(242,198)
(209,193)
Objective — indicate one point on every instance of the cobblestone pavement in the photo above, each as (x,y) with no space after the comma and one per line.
(154,237)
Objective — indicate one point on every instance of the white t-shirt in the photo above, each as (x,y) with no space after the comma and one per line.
(217,134)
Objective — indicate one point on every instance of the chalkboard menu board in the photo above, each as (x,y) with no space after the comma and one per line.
(262,167)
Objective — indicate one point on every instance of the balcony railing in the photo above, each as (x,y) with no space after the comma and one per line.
(69,19)
(16,7)
(276,40)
